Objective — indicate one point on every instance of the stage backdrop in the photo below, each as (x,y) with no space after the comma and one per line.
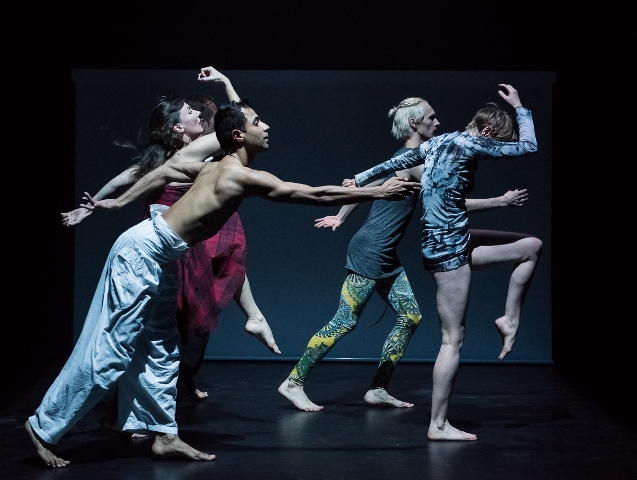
(327,126)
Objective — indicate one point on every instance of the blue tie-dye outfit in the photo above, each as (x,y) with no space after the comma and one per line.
(450,162)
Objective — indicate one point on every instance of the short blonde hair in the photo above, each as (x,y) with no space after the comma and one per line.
(408,108)
(503,128)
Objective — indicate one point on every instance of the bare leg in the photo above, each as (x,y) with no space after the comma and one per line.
(256,325)
(169,444)
(295,394)
(523,251)
(380,397)
(451,297)
(44,449)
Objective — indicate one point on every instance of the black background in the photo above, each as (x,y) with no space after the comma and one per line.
(593,239)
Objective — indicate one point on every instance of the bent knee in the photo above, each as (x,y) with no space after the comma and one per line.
(409,322)
(534,245)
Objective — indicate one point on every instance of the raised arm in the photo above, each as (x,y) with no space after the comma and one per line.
(527,142)
(162,175)
(113,188)
(512,198)
(206,146)
(210,74)
(509,94)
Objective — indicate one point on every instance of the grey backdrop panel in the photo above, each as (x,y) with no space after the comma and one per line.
(326,126)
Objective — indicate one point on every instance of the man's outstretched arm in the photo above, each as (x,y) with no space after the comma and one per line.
(176,172)
(270,187)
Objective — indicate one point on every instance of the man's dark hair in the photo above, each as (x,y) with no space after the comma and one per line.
(229,117)
(205,104)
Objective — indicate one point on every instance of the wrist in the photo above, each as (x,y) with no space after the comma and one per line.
(503,201)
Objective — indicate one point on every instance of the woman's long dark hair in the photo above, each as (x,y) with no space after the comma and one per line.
(162,141)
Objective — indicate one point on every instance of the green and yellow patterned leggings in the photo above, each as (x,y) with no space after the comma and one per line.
(356,292)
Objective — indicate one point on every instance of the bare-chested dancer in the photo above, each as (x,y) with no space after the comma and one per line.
(212,273)
(372,265)
(130,327)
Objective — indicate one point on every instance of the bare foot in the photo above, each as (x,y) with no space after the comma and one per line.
(295,394)
(199,394)
(169,444)
(448,433)
(379,396)
(507,331)
(44,449)
(258,327)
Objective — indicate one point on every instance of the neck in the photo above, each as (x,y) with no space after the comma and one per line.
(414,141)
(242,156)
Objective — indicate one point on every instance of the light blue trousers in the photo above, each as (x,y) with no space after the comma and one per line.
(129,336)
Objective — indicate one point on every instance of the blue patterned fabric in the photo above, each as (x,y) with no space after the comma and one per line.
(450,162)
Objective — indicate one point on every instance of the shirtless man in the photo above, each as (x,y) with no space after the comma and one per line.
(130,335)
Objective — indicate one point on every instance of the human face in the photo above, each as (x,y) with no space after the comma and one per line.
(426,128)
(209,126)
(189,122)
(211,105)
(256,135)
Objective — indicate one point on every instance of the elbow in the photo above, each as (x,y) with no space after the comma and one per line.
(530,147)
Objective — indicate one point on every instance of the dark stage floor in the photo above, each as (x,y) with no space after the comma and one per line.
(531,424)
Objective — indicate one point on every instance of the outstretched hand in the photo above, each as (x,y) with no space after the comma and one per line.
(331,221)
(348,182)
(510,94)
(99,205)
(210,74)
(75,217)
(515,198)
(397,188)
